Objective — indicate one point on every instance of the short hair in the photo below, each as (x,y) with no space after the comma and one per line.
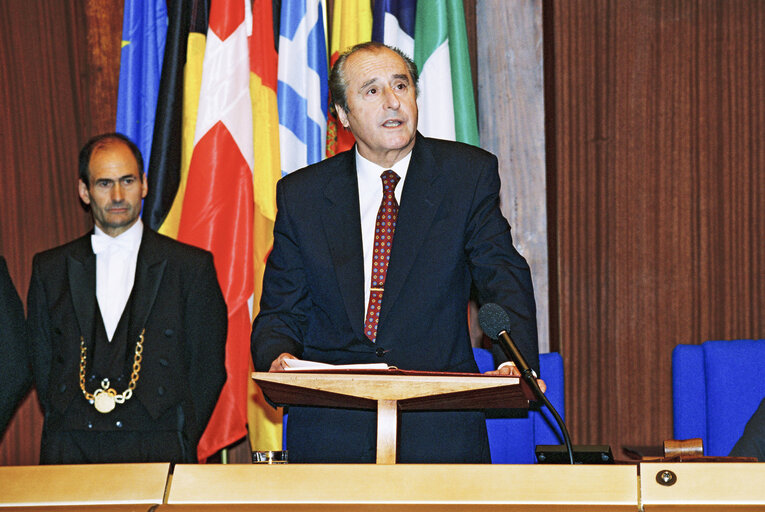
(100,141)
(337,83)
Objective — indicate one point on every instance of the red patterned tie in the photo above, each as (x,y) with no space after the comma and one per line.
(384,227)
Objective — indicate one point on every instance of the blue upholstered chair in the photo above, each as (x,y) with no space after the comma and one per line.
(716,387)
(513,437)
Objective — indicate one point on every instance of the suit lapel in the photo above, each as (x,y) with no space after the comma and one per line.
(419,203)
(148,275)
(342,228)
(81,272)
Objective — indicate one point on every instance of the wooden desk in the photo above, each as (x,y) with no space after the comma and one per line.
(702,486)
(128,486)
(404,487)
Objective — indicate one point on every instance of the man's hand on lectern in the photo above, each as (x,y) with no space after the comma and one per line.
(278,364)
(512,371)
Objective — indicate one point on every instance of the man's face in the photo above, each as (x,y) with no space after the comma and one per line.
(116,188)
(382,105)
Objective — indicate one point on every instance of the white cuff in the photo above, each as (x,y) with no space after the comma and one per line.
(512,363)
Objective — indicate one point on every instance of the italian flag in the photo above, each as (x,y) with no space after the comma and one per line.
(446,102)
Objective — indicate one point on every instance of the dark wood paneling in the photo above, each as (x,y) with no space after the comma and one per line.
(656,123)
(55,94)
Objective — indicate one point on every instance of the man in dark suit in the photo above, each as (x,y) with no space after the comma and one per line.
(127,328)
(752,441)
(335,292)
(15,376)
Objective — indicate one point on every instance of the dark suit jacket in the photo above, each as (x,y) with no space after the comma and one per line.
(175,297)
(752,441)
(15,375)
(450,232)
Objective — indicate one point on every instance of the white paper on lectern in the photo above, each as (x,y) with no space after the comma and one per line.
(302,364)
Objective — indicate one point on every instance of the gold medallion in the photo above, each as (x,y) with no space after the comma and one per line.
(103,401)
(106,398)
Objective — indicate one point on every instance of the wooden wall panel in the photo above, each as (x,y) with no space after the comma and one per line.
(512,126)
(656,121)
(55,94)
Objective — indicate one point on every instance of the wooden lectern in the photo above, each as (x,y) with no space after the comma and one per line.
(391,391)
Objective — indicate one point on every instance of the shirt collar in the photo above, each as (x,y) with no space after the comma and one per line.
(131,237)
(367,167)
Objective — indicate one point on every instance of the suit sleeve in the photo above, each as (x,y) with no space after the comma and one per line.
(752,441)
(206,321)
(285,303)
(501,275)
(38,332)
(14,363)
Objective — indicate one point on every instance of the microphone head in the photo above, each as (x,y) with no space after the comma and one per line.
(493,320)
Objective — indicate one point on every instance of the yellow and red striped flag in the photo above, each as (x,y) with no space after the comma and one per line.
(265,423)
(217,211)
(351,24)
(169,218)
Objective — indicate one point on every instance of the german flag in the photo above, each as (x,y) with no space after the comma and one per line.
(176,114)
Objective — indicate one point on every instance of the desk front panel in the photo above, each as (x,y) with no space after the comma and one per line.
(405,486)
(702,486)
(81,485)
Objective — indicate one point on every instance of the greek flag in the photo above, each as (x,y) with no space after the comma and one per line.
(302,92)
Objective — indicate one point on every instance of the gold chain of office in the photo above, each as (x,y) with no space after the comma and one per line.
(107,398)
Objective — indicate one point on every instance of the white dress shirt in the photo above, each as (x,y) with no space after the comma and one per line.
(116,259)
(370,198)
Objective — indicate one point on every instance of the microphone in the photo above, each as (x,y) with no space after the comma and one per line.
(495,323)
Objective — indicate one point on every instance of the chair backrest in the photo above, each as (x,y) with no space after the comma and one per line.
(513,435)
(716,387)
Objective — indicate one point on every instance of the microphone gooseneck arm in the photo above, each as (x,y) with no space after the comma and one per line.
(495,322)
(527,374)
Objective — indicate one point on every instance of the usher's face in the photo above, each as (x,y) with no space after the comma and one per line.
(116,188)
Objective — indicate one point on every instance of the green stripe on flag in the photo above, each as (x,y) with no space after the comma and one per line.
(440,21)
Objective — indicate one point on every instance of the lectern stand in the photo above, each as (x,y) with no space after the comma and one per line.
(391,391)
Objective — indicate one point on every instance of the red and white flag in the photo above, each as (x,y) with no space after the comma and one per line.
(218,202)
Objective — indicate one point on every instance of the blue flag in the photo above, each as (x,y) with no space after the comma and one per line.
(144,28)
(302,91)
(393,24)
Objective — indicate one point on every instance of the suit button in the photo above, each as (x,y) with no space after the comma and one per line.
(61,387)
(380,351)
(90,424)
(118,424)
(160,391)
(169,332)
(164,362)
